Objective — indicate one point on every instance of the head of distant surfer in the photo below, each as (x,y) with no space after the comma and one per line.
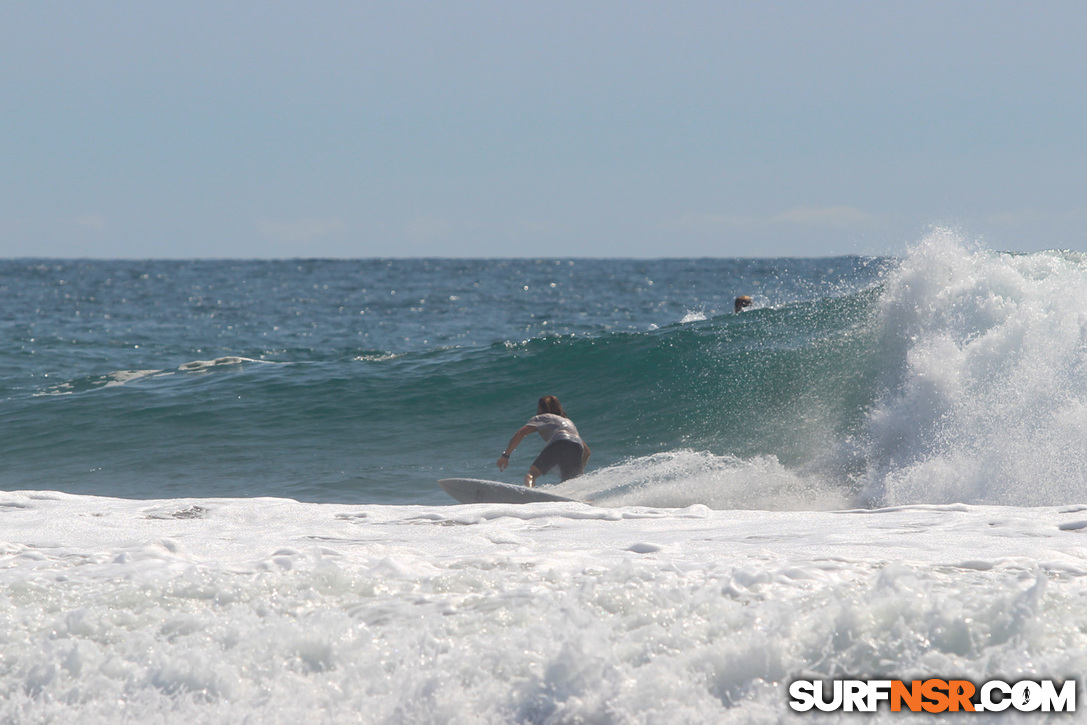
(550,404)
(742,302)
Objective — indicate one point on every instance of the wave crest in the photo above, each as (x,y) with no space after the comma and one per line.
(986,393)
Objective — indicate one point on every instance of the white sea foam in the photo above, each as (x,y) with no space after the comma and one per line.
(693,316)
(119,378)
(683,478)
(203,365)
(376,357)
(272,611)
(986,360)
(122,377)
(114,379)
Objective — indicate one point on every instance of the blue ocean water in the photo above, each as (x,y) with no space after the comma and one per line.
(874,379)
(364,381)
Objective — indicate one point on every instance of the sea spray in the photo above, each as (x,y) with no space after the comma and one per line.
(985,379)
(683,478)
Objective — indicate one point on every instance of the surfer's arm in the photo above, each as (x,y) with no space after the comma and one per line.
(504,459)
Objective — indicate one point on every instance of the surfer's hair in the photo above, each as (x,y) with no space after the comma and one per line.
(550,404)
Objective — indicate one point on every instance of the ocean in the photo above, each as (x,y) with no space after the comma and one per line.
(218,497)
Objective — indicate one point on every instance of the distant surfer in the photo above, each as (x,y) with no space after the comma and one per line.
(563,446)
(741,302)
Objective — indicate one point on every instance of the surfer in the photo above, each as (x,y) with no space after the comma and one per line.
(563,448)
(741,302)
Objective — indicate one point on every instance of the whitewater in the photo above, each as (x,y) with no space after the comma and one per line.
(875,472)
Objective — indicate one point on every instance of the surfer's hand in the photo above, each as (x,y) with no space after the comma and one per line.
(503,461)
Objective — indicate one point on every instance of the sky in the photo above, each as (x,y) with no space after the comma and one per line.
(538,129)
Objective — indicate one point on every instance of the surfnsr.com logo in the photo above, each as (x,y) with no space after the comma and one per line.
(933,695)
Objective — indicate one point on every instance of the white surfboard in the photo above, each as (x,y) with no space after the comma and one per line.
(477,490)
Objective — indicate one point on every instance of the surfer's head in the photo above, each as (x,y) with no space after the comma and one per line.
(741,302)
(550,404)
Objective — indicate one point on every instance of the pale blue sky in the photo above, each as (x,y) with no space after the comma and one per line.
(275,129)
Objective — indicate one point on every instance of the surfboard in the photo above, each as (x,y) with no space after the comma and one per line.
(477,490)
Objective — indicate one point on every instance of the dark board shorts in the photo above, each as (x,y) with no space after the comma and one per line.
(566,454)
